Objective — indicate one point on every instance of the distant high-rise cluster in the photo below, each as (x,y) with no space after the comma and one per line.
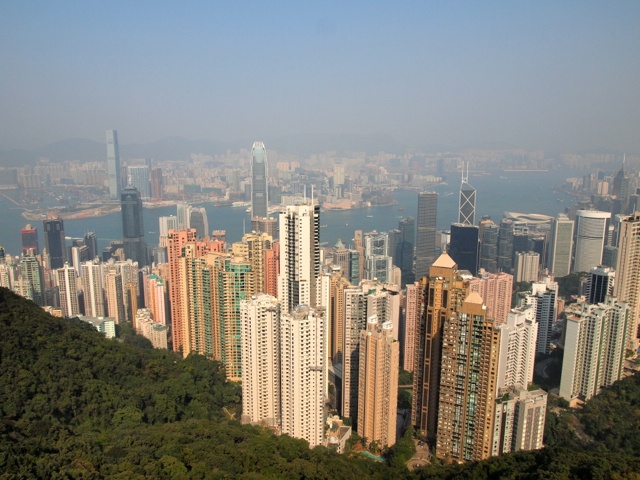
(312,329)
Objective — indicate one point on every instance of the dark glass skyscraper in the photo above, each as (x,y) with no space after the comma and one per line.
(113,165)
(463,248)
(132,226)
(259,193)
(426,235)
(54,242)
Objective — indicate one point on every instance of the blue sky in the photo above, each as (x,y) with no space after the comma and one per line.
(553,75)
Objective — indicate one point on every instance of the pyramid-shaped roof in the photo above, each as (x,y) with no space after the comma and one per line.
(444,261)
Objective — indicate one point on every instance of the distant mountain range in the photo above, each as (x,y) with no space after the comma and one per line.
(177,148)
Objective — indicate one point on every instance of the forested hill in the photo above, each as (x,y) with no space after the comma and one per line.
(75,405)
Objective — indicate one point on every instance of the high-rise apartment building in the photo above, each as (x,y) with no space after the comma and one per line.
(259,191)
(183,215)
(92,286)
(526,266)
(133,226)
(495,290)
(426,232)
(113,165)
(413,305)
(176,240)
(518,337)
(519,421)
(594,347)
(303,374)
(114,293)
(261,366)
(627,286)
(233,282)
(444,292)
(355,321)
(54,241)
(560,246)
(299,256)
(378,383)
(591,231)
(467,396)
(67,283)
(155,298)
(32,276)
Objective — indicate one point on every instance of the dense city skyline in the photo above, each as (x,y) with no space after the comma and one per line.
(554,76)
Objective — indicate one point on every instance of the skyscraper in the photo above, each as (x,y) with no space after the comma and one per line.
(29,240)
(505,246)
(54,241)
(176,240)
(517,348)
(303,373)
(444,293)
(594,347)
(426,232)
(495,290)
(464,246)
(67,283)
(32,275)
(467,396)
(299,256)
(113,165)
(544,299)
(489,246)
(627,286)
(198,220)
(259,192)
(560,246)
(467,214)
(91,242)
(261,394)
(132,226)
(139,178)
(92,286)
(378,383)
(408,233)
(600,286)
(591,230)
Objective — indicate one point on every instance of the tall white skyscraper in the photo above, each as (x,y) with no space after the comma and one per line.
(261,366)
(303,374)
(67,283)
(93,289)
(299,256)
(560,246)
(591,231)
(259,189)
(113,165)
(517,348)
(183,215)
(543,297)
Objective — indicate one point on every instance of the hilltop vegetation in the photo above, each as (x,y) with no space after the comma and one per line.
(75,405)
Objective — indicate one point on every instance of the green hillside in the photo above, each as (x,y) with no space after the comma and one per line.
(75,405)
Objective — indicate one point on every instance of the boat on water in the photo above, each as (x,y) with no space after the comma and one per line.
(369,216)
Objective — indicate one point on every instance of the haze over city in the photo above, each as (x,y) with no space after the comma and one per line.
(560,76)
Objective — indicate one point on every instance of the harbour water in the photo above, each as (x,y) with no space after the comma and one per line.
(526,192)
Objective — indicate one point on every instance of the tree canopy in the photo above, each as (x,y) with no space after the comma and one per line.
(76,405)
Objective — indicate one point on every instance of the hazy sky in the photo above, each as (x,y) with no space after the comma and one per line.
(560,75)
